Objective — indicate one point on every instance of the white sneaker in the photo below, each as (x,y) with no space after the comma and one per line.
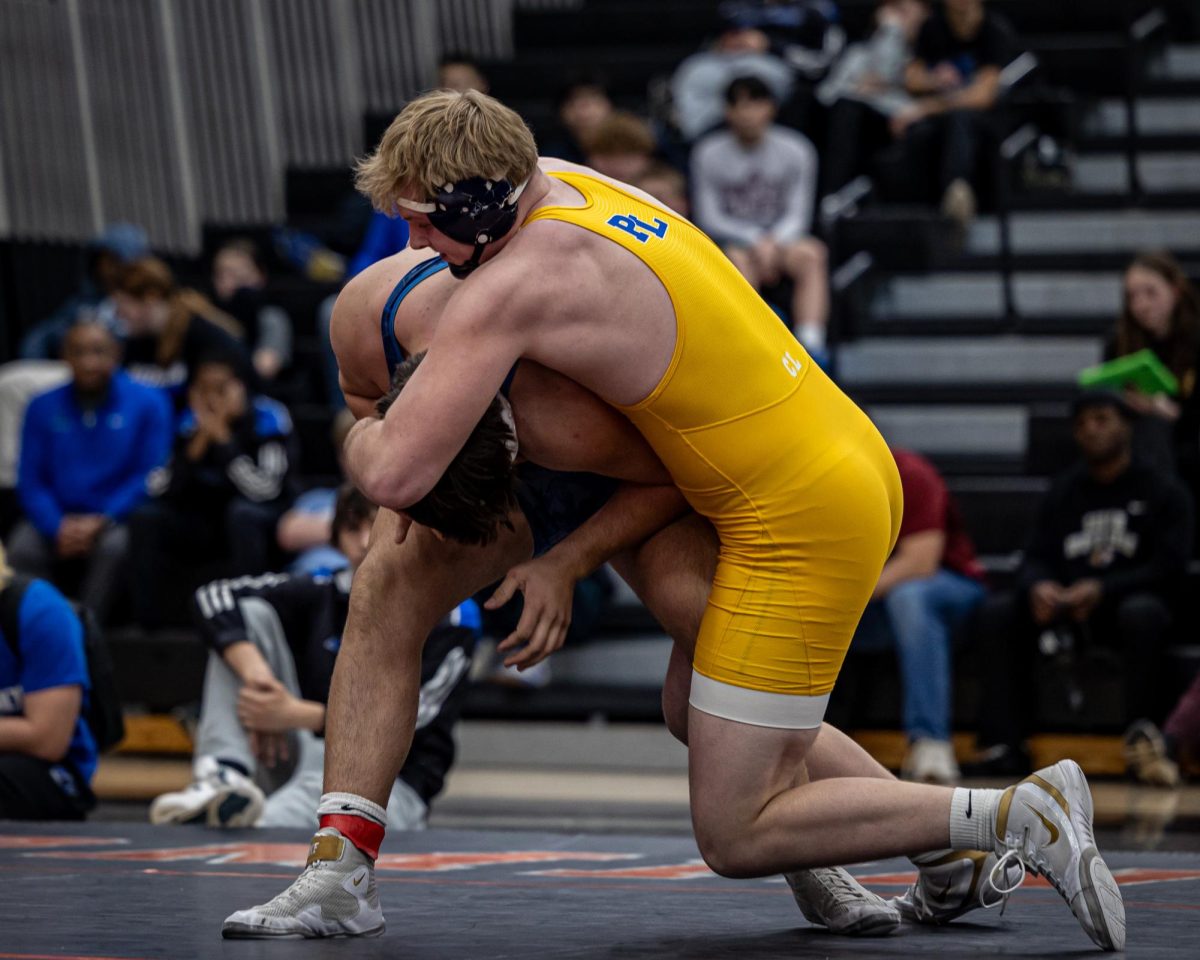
(930,761)
(335,896)
(219,797)
(1045,824)
(830,897)
(951,883)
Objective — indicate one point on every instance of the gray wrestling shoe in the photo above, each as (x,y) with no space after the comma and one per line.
(831,898)
(951,883)
(335,896)
(1044,823)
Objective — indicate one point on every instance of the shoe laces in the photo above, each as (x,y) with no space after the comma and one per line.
(1000,868)
(838,882)
(303,884)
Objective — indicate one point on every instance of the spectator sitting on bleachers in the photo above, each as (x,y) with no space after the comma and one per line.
(1107,553)
(666,185)
(307,526)
(929,587)
(86,451)
(47,753)
(955,80)
(803,33)
(239,281)
(1161,311)
(461,72)
(754,186)
(701,82)
(583,104)
(622,147)
(1154,756)
(274,641)
(221,494)
(865,88)
(118,245)
(169,328)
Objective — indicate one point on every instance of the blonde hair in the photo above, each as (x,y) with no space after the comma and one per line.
(444,137)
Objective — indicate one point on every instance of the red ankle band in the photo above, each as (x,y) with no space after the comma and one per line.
(363,833)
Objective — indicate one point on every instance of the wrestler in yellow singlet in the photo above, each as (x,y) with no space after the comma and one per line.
(802,490)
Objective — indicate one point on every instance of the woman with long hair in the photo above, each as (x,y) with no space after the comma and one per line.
(169,328)
(1161,311)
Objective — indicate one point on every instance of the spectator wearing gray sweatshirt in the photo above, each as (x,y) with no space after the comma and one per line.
(753,189)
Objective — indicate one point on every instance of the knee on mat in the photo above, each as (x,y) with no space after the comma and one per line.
(727,856)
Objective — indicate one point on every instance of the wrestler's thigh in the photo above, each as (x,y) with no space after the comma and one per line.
(671,573)
(735,768)
(410,586)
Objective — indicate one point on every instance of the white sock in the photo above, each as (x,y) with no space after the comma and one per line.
(973,819)
(353,805)
(812,335)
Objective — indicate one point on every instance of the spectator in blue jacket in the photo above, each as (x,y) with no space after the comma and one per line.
(47,752)
(86,451)
(219,498)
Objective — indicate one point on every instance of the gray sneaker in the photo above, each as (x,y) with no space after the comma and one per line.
(951,883)
(830,897)
(335,896)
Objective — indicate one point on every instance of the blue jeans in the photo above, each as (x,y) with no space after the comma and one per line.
(918,618)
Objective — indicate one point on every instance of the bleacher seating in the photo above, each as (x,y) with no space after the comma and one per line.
(931,352)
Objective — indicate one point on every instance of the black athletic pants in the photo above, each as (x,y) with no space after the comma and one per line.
(1135,627)
(33,789)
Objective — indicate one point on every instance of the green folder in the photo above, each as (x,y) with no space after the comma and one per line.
(1142,370)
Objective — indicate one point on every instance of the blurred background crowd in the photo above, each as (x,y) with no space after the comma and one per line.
(962,208)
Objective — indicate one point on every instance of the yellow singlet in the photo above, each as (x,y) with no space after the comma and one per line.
(802,490)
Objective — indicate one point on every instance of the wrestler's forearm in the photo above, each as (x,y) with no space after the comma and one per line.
(633,513)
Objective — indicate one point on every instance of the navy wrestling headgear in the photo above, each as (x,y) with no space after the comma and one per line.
(475,211)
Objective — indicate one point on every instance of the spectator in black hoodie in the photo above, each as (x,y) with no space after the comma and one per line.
(221,494)
(1111,541)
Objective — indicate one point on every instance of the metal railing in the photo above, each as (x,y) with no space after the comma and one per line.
(1138,39)
(835,210)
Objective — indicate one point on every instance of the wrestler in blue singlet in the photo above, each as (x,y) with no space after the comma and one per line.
(555,502)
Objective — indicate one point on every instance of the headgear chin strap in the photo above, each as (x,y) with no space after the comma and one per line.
(477,211)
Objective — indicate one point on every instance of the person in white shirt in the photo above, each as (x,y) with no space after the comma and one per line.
(753,189)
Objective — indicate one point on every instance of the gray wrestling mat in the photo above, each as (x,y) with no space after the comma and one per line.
(126,891)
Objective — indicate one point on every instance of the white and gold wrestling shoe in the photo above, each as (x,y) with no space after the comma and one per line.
(1045,824)
(830,897)
(335,896)
(954,882)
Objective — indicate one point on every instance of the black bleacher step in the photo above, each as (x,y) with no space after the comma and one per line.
(1113,200)
(1110,143)
(538,72)
(940,327)
(1008,392)
(622,23)
(159,670)
(999,511)
(563,701)
(1098,262)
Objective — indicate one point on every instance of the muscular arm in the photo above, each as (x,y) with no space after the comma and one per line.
(917,555)
(397,460)
(45,727)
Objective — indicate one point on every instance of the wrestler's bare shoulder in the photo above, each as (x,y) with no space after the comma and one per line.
(369,289)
